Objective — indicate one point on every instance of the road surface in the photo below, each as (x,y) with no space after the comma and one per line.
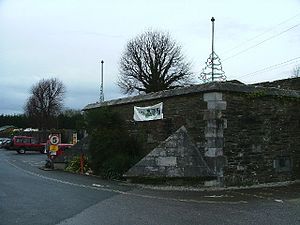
(31,196)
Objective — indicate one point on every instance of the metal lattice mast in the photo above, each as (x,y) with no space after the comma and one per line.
(213,70)
(101,99)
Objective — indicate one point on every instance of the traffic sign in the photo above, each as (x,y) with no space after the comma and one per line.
(54,139)
(53,148)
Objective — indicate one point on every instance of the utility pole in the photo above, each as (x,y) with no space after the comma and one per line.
(212,48)
(101,84)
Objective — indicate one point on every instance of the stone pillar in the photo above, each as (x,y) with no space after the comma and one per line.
(214,137)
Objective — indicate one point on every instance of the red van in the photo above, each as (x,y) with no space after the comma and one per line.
(26,143)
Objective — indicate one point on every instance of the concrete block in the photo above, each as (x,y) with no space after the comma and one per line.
(148,161)
(212,123)
(171,158)
(174,172)
(215,123)
(217,105)
(213,132)
(214,142)
(166,161)
(163,153)
(151,169)
(212,96)
(171,144)
(213,152)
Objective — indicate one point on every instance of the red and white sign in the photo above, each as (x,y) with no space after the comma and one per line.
(54,139)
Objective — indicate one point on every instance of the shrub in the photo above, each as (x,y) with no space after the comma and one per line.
(112,150)
(74,165)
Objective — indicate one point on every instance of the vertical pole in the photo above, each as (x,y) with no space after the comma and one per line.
(82,160)
(101,85)
(212,48)
(81,164)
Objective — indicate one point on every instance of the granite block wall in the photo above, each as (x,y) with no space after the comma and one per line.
(261,131)
(246,134)
(187,110)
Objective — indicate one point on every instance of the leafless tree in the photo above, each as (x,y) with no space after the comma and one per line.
(296,71)
(45,102)
(152,62)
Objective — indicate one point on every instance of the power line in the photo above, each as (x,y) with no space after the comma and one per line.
(268,30)
(253,46)
(261,34)
(269,68)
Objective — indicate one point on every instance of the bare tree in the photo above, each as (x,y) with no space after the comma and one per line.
(45,102)
(296,71)
(152,62)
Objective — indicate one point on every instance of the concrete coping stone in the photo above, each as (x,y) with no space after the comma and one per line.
(216,188)
(201,88)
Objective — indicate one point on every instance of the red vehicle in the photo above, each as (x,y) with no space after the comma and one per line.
(26,143)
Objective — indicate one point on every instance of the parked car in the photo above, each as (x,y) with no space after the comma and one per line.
(6,143)
(2,140)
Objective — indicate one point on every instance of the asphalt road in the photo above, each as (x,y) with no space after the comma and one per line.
(30,196)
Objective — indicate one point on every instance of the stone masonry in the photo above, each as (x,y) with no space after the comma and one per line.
(177,156)
(215,124)
(245,134)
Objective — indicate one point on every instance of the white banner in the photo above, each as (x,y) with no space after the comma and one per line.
(154,112)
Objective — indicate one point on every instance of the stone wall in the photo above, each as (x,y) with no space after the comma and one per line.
(261,129)
(182,110)
(290,84)
(177,156)
(245,134)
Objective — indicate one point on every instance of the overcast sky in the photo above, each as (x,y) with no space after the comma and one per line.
(67,39)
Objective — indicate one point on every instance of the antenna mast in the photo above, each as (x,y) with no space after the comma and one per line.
(101,84)
(213,70)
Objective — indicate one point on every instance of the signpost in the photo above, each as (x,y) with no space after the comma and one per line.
(54,140)
(74,141)
(52,148)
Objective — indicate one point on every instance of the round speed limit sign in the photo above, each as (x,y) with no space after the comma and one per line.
(54,140)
